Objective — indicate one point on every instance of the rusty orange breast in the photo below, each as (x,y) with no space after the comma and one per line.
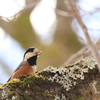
(26,69)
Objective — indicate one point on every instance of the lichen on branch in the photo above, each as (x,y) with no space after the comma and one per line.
(52,83)
(68,76)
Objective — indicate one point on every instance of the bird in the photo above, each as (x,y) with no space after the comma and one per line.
(28,65)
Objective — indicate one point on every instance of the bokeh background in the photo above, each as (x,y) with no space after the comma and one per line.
(38,25)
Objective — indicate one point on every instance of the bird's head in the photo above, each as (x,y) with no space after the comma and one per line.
(31,52)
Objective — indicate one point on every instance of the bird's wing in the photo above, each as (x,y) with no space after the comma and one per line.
(20,65)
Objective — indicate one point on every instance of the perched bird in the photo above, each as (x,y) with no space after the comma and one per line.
(28,65)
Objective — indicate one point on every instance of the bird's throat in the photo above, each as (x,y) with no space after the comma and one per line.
(32,60)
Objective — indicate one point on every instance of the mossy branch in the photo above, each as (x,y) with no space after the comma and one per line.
(79,81)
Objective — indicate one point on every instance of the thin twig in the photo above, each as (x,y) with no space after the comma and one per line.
(84,52)
(19,12)
(84,12)
(62,13)
(72,7)
(74,56)
(11,17)
(93,29)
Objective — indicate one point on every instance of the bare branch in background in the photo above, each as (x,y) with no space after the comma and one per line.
(11,17)
(98,43)
(63,13)
(93,29)
(84,52)
(75,56)
(72,7)
(84,12)
(32,4)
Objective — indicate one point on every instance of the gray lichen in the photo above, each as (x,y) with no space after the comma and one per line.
(52,83)
(4,94)
(59,97)
(68,76)
(14,97)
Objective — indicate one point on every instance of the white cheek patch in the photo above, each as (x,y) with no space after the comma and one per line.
(28,55)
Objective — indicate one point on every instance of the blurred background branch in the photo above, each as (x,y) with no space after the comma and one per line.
(63,13)
(72,7)
(75,57)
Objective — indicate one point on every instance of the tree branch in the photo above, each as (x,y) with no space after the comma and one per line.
(33,4)
(56,83)
(62,13)
(75,56)
(72,7)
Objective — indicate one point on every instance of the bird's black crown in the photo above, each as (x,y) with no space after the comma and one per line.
(29,50)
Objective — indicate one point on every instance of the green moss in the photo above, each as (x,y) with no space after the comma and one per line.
(14,83)
(10,94)
(77,63)
(80,98)
(29,87)
(45,74)
(69,65)
(1,86)
(24,96)
(40,93)
(98,86)
(15,99)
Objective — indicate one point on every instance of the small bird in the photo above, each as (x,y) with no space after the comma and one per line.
(28,65)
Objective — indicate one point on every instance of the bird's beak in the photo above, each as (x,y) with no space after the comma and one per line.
(39,52)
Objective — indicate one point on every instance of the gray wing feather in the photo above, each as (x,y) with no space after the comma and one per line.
(20,65)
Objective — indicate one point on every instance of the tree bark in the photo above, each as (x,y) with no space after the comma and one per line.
(79,81)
